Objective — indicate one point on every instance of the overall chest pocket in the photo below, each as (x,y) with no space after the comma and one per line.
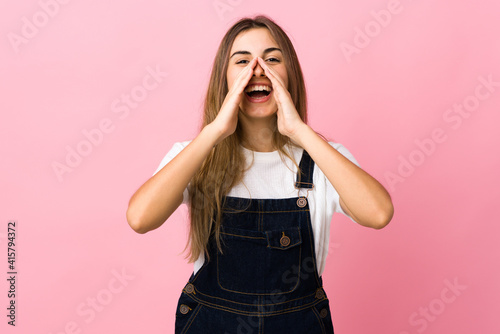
(255,262)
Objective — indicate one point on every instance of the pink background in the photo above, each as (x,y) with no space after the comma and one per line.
(390,103)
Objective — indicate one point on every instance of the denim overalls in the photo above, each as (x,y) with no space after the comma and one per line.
(266,280)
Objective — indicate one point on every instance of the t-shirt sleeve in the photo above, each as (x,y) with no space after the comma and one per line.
(176,149)
(331,192)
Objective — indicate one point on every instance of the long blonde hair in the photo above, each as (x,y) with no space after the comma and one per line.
(224,166)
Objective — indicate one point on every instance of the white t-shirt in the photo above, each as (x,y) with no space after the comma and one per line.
(268,177)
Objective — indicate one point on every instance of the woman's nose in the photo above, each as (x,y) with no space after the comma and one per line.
(258,70)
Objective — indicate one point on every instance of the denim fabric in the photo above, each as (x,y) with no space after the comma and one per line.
(266,279)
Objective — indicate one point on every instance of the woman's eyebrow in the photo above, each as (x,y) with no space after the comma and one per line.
(266,51)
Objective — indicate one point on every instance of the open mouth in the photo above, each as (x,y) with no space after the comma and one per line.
(258,91)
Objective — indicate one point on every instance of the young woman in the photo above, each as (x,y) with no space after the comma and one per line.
(261,187)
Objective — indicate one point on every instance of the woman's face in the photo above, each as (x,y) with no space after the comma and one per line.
(247,45)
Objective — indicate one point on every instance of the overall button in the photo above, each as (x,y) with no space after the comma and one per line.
(301,202)
(284,241)
(320,294)
(184,309)
(189,288)
(323,313)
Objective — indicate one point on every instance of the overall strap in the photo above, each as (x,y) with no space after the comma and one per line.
(305,175)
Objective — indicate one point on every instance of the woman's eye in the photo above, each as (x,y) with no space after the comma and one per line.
(274,60)
(241,61)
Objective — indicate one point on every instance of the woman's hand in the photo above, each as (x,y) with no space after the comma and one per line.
(227,118)
(289,121)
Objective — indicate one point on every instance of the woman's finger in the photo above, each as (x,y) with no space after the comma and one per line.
(244,76)
(270,75)
(271,72)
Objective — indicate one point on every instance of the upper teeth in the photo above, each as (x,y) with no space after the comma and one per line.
(258,87)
